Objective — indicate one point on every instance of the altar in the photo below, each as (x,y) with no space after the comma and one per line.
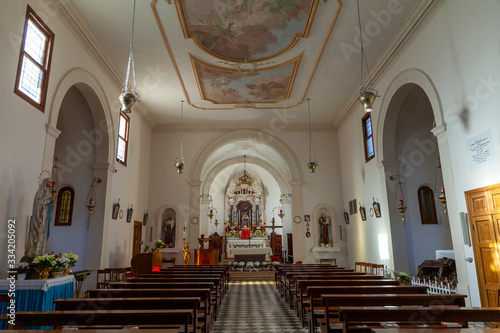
(234,244)
(252,254)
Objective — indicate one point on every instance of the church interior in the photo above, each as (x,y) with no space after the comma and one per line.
(182,120)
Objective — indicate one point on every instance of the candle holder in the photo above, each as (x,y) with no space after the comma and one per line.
(185,252)
(442,198)
(402,209)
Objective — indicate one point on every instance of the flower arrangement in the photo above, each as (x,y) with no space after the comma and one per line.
(158,245)
(404,278)
(61,262)
(22,268)
(73,258)
(168,243)
(44,262)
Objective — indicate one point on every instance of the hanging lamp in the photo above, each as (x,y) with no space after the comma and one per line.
(129,97)
(313,163)
(179,160)
(368,95)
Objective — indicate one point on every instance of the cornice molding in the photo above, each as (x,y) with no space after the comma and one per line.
(52,131)
(72,19)
(217,128)
(418,19)
(439,130)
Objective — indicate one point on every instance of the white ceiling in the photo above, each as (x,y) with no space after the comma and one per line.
(334,83)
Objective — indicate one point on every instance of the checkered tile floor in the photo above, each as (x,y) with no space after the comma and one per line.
(255,307)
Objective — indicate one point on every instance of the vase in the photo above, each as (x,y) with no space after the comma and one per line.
(21,276)
(54,274)
(43,274)
(65,272)
(327,245)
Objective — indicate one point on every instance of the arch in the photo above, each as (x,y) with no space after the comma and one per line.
(178,217)
(315,218)
(395,94)
(98,103)
(293,172)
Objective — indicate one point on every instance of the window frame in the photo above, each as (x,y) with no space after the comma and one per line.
(432,205)
(47,60)
(126,139)
(57,221)
(366,137)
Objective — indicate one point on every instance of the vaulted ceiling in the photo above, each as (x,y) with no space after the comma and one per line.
(238,62)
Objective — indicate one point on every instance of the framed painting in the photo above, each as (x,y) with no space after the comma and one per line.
(116,210)
(346,217)
(130,211)
(376,209)
(362,212)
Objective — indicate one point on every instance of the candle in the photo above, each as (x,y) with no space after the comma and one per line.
(442,189)
(401,200)
(184,230)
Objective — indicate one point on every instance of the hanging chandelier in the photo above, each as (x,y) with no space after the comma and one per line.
(129,97)
(312,162)
(366,95)
(179,160)
(401,205)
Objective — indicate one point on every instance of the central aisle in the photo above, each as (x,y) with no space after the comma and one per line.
(251,306)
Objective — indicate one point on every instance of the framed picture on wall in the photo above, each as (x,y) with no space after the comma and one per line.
(130,211)
(145,218)
(362,212)
(307,218)
(376,208)
(116,210)
(346,217)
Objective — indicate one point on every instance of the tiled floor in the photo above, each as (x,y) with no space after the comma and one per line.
(255,307)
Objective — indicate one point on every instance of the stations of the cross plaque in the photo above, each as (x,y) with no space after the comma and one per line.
(276,244)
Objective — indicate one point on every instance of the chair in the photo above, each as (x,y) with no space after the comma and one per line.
(378,269)
(359,266)
(103,278)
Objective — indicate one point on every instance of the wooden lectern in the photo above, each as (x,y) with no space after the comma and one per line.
(206,257)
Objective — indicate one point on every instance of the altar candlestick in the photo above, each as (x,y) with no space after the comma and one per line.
(184,230)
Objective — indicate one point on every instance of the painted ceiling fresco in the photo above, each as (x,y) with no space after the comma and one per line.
(246,29)
(224,86)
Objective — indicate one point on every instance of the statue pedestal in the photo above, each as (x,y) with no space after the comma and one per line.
(325,254)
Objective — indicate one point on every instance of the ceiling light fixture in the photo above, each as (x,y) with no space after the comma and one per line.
(128,98)
(179,162)
(312,162)
(366,95)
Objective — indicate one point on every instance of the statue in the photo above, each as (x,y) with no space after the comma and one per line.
(186,254)
(169,228)
(41,216)
(324,221)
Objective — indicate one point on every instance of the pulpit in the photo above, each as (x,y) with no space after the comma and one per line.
(206,257)
(144,263)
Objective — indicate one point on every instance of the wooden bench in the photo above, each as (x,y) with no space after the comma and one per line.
(190,273)
(413,315)
(103,318)
(280,275)
(206,309)
(315,310)
(290,267)
(303,303)
(139,303)
(332,303)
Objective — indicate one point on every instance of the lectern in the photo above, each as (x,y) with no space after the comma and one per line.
(206,257)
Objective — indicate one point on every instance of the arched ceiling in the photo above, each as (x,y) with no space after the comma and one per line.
(242,61)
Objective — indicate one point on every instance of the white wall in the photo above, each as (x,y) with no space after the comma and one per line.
(23,137)
(463,67)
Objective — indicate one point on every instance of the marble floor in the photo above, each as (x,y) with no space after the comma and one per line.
(255,307)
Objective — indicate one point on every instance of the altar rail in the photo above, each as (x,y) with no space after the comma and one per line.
(434,287)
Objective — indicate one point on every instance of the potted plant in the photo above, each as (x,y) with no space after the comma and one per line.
(21,270)
(43,265)
(404,278)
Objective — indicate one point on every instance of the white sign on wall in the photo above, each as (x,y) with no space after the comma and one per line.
(480,150)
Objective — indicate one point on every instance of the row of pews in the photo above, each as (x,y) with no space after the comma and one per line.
(334,299)
(176,299)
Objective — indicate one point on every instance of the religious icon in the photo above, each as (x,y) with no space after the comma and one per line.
(376,208)
(116,209)
(346,217)
(130,211)
(145,218)
(362,212)
(307,218)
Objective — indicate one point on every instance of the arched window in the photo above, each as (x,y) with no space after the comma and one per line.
(64,210)
(427,205)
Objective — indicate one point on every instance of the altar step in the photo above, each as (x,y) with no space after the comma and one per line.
(251,276)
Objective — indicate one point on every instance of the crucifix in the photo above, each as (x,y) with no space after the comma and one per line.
(275,239)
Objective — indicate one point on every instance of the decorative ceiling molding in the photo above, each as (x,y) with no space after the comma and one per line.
(222,85)
(72,19)
(418,19)
(235,32)
(218,128)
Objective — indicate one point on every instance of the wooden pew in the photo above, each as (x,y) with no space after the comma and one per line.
(281,269)
(189,273)
(172,284)
(333,302)
(225,268)
(303,300)
(140,303)
(204,294)
(329,276)
(103,318)
(415,315)
(316,312)
(216,280)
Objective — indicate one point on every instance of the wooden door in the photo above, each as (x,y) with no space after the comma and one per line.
(136,248)
(289,239)
(483,207)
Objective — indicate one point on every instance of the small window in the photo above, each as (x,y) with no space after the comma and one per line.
(123,127)
(368,137)
(34,61)
(427,205)
(65,200)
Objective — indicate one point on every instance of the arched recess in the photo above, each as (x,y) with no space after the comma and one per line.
(394,96)
(179,218)
(317,210)
(103,138)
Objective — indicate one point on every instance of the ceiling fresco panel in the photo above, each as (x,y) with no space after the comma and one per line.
(227,86)
(239,30)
